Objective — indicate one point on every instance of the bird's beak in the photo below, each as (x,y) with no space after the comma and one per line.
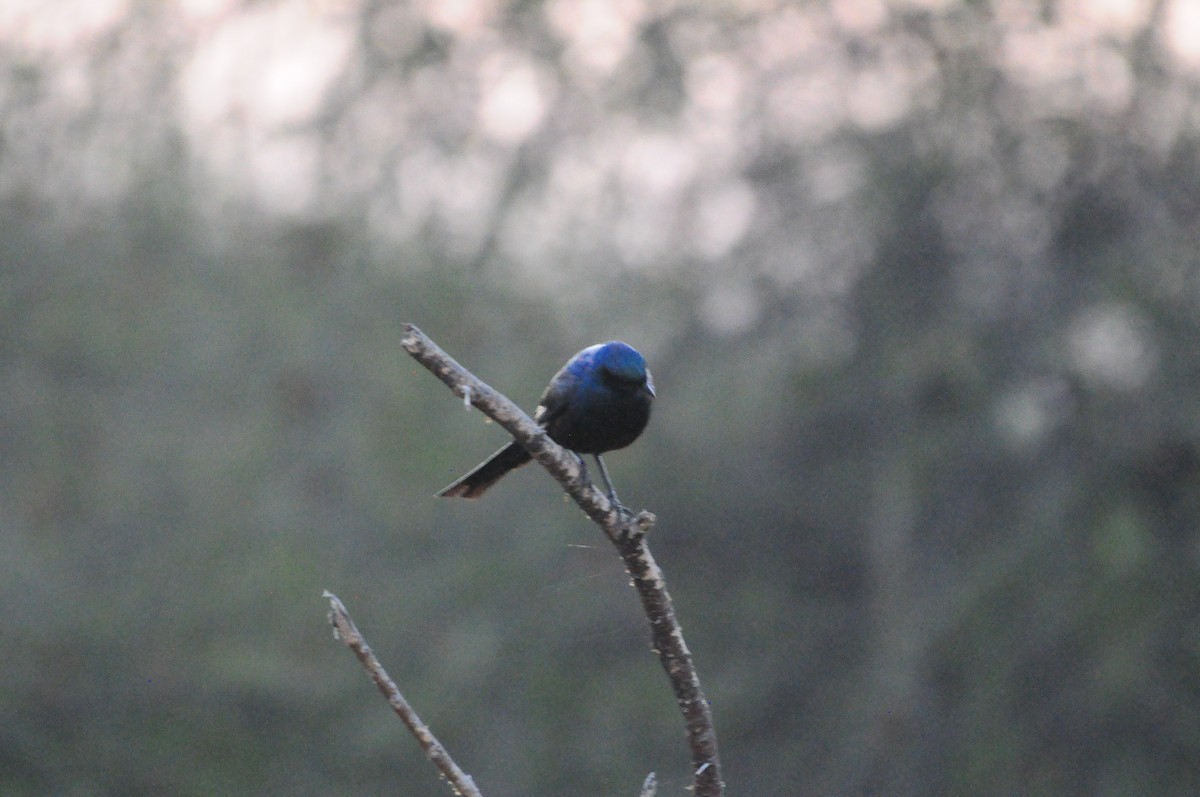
(650,383)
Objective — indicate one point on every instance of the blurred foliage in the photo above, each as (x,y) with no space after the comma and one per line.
(919,281)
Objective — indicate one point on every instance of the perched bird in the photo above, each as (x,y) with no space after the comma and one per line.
(599,401)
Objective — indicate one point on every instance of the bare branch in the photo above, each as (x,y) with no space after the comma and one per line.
(344,629)
(627,533)
(562,465)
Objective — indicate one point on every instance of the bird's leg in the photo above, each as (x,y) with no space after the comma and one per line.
(612,493)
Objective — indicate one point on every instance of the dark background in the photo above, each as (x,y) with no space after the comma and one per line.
(919,281)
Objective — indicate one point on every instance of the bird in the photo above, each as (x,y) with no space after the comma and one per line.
(598,402)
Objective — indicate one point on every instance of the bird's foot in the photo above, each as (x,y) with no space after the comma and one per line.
(622,510)
(612,494)
(616,502)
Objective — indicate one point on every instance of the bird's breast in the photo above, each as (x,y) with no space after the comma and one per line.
(601,422)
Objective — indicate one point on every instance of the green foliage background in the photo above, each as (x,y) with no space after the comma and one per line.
(919,283)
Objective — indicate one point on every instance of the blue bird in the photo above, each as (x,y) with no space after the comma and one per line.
(599,401)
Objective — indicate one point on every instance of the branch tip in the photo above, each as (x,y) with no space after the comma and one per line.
(411,340)
(336,615)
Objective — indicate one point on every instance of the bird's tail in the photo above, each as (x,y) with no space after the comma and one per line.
(487,473)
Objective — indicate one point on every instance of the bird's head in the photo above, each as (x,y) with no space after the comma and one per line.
(623,364)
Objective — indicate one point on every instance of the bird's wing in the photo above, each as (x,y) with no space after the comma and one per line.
(554,401)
